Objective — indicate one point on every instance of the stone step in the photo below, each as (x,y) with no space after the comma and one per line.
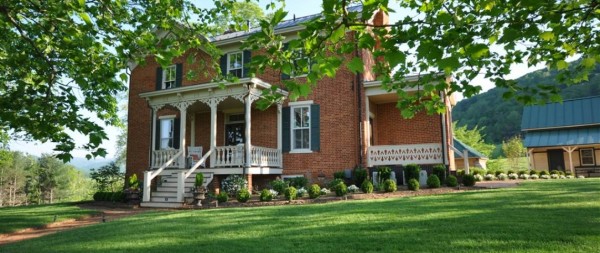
(164,199)
(158,204)
(174,184)
(170,194)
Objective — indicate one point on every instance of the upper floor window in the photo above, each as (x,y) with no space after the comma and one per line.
(301,63)
(235,64)
(587,156)
(167,132)
(169,77)
(301,127)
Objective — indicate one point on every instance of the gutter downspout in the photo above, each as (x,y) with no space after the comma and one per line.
(359,86)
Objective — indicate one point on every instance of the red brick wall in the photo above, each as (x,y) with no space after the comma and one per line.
(393,129)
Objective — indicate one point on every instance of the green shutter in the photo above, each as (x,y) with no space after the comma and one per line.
(176,133)
(159,72)
(315,133)
(283,75)
(247,55)
(285,128)
(223,65)
(157,135)
(178,74)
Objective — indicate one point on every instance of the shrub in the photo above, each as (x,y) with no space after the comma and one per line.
(297,182)
(554,176)
(314,191)
(334,182)
(325,191)
(290,193)
(502,176)
(477,171)
(109,196)
(384,173)
(569,177)
(534,172)
(353,188)
(554,172)
(561,173)
(338,175)
(522,172)
(543,173)
(545,176)
(451,181)
(366,186)
(412,171)
(524,176)
(340,189)
(265,195)
(199,180)
(534,176)
(243,195)
(359,175)
(510,171)
(580,177)
(234,183)
(468,180)
(134,184)
(389,186)
(222,197)
(489,177)
(440,171)
(498,172)
(568,173)
(460,173)
(278,185)
(513,176)
(433,181)
(301,192)
(413,184)
(478,177)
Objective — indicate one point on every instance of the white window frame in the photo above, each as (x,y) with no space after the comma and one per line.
(160,139)
(299,55)
(293,106)
(593,156)
(171,82)
(241,68)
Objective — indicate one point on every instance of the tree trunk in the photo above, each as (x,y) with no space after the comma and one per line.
(51,190)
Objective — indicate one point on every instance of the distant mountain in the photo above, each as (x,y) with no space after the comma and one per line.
(502,118)
(86,165)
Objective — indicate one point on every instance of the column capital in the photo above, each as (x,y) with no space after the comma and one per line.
(183,105)
(157,107)
(212,101)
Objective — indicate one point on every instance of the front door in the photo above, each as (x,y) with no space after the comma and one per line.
(234,134)
(556,160)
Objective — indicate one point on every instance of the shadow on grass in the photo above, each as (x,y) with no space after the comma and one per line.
(561,216)
(17,218)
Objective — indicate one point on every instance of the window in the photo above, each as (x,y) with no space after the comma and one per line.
(235,64)
(166,133)
(301,63)
(587,156)
(300,128)
(169,76)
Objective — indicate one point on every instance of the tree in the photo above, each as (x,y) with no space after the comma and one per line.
(240,13)
(513,150)
(473,138)
(51,177)
(460,38)
(108,177)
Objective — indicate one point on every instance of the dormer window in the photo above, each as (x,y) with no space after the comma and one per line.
(235,64)
(169,77)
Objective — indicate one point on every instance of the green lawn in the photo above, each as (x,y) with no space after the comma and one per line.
(542,216)
(16,218)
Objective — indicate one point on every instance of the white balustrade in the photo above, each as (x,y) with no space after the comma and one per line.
(265,157)
(229,156)
(430,153)
(160,157)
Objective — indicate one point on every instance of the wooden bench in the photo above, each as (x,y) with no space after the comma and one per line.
(588,171)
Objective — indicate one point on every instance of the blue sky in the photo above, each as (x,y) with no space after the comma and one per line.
(294,7)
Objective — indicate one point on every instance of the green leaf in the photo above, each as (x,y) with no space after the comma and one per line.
(395,57)
(355,65)
(123,77)
(85,18)
(278,16)
(588,62)
(561,65)
(449,64)
(547,36)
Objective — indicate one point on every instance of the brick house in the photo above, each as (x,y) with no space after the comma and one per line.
(179,127)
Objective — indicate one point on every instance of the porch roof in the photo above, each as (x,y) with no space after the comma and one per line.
(473,153)
(562,137)
(212,85)
(570,113)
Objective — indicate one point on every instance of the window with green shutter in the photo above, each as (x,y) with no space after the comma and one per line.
(301,127)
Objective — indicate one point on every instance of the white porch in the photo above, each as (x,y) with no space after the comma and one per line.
(210,98)
(429,153)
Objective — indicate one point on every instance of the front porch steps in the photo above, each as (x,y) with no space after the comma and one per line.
(165,195)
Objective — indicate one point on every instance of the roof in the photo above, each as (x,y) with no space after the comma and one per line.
(562,137)
(281,26)
(569,113)
(473,153)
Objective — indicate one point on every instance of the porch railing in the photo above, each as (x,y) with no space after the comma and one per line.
(430,153)
(160,157)
(229,156)
(266,157)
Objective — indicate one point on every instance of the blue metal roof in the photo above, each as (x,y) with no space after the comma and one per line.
(281,25)
(461,146)
(569,113)
(562,137)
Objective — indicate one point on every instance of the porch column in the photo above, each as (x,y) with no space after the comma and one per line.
(531,160)
(182,106)
(193,130)
(570,151)
(248,144)
(153,144)
(213,130)
(279,127)
(466,159)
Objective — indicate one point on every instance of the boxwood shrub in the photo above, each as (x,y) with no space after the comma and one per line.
(278,185)
(451,181)
(359,175)
(433,181)
(222,197)
(265,195)
(290,193)
(314,191)
(468,180)
(440,171)
(412,171)
(413,184)
(389,185)
(243,195)
(367,186)
(340,189)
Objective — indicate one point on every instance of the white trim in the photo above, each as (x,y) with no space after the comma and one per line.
(298,103)
(300,151)
(172,116)
(293,129)
(291,176)
(164,77)
(205,86)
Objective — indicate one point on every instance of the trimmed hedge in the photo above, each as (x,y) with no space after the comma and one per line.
(389,185)
(243,195)
(413,184)
(468,180)
(412,171)
(433,181)
(440,171)
(451,181)
(367,186)
(109,196)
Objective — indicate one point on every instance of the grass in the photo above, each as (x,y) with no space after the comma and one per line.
(541,216)
(16,218)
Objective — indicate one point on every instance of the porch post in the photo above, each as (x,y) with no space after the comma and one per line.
(247,146)
(183,118)
(531,160)
(213,131)
(193,130)
(570,151)
(466,159)
(153,144)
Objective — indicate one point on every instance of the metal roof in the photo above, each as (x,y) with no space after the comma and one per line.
(282,25)
(562,137)
(461,146)
(569,113)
